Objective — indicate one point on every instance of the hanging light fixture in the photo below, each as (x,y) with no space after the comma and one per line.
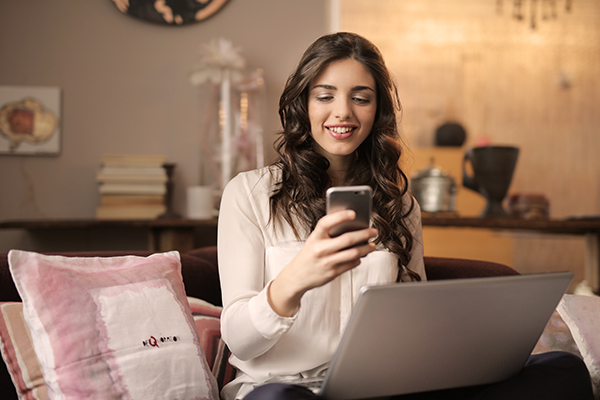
(544,9)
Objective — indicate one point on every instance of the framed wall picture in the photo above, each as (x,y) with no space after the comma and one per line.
(30,120)
(170,12)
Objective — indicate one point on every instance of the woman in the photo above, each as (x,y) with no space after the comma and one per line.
(288,287)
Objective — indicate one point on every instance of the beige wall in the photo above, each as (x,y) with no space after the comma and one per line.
(537,89)
(126,89)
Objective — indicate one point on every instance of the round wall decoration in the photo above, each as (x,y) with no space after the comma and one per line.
(170,12)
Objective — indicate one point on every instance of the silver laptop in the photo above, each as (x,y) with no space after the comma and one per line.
(423,336)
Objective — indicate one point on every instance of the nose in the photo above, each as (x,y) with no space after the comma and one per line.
(343,109)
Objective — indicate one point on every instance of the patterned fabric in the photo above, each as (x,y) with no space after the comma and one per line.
(112,327)
(582,315)
(556,337)
(26,371)
(208,324)
(18,354)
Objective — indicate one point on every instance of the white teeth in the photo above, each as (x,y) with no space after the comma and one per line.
(340,129)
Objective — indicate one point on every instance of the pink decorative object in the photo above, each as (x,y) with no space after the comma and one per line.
(18,354)
(115,327)
(26,371)
(482,141)
(232,135)
(208,324)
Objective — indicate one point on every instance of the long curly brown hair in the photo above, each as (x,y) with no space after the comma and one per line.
(299,197)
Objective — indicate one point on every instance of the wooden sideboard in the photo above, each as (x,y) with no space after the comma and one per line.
(178,234)
(588,228)
(162,234)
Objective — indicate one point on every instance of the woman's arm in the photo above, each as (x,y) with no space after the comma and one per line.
(256,313)
(320,261)
(248,325)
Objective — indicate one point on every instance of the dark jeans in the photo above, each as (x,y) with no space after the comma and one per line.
(548,376)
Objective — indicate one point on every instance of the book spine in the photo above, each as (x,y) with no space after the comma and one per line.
(159,171)
(131,178)
(130,212)
(124,188)
(131,199)
(132,160)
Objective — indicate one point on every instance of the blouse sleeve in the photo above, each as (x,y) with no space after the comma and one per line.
(248,324)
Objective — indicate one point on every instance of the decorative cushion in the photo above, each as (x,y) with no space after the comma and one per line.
(26,371)
(556,337)
(117,327)
(582,315)
(208,324)
(18,354)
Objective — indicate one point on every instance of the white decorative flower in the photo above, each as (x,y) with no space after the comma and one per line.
(215,57)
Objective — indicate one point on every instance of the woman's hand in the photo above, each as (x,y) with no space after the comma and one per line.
(320,260)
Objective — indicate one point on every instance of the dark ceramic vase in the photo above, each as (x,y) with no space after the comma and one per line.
(493,168)
(450,134)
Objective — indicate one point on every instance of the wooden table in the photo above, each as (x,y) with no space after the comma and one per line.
(178,234)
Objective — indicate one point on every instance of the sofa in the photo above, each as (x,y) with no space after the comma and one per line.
(199,270)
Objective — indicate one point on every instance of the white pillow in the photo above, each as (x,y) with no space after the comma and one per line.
(582,315)
(116,327)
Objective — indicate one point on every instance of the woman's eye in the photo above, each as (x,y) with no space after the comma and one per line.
(324,98)
(360,100)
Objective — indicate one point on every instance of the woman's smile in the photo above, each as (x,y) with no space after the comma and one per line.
(341,132)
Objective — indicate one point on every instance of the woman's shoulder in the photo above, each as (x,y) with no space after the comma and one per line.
(260,173)
(256,180)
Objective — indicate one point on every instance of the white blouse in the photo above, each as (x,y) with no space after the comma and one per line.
(265,346)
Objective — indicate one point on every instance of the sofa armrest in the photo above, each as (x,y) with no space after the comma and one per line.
(201,274)
(439,268)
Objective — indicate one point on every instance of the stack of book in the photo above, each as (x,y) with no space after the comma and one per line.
(131,186)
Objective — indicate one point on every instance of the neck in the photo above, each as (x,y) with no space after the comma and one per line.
(336,178)
(338,170)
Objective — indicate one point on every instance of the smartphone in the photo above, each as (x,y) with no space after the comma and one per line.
(357,198)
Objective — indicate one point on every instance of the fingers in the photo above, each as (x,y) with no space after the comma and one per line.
(354,238)
(322,258)
(330,220)
(351,255)
(327,246)
(343,261)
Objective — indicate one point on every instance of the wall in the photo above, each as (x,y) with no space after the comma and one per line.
(539,89)
(125,89)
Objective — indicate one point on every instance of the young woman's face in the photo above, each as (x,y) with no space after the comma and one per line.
(341,106)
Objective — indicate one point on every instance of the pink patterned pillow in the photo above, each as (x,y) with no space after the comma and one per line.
(116,327)
(26,371)
(18,354)
(208,324)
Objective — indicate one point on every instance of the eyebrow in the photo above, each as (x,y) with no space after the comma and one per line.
(354,89)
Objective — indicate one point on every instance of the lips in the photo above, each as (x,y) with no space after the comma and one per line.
(341,132)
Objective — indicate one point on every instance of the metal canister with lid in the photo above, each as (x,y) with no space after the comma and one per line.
(434,189)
